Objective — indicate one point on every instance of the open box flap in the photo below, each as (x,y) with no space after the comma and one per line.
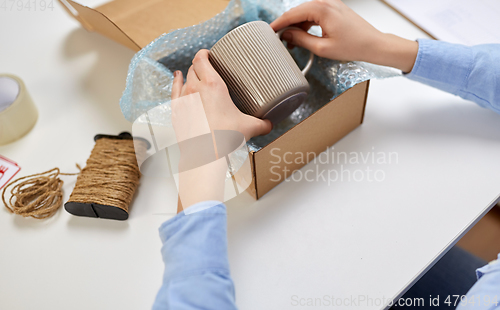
(136,23)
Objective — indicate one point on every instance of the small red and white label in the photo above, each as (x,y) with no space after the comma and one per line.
(8,169)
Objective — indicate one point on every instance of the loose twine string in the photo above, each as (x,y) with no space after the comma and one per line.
(37,195)
(110,177)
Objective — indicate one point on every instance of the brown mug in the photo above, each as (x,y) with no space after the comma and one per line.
(261,75)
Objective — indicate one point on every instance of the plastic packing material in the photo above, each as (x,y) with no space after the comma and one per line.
(150,75)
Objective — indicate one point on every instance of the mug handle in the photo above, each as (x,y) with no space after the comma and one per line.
(311,55)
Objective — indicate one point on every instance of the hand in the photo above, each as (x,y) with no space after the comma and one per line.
(220,110)
(192,119)
(346,35)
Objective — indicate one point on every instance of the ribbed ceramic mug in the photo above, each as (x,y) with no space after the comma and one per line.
(261,75)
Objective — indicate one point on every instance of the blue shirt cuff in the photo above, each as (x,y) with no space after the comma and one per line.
(443,65)
(194,243)
(493,266)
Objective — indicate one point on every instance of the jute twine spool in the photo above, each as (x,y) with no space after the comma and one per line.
(104,188)
(107,184)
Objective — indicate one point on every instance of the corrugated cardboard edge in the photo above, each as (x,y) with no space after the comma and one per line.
(93,20)
(261,189)
(252,189)
(364,104)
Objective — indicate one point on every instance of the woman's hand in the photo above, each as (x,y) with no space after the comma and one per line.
(346,36)
(220,110)
(201,173)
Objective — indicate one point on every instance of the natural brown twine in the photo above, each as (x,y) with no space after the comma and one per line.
(110,177)
(111,174)
(37,195)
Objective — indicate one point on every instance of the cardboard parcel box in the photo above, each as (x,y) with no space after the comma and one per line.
(136,23)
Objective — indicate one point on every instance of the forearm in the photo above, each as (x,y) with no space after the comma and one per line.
(202,183)
(196,264)
(472,73)
(391,51)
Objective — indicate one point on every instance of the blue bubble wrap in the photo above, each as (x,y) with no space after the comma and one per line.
(150,74)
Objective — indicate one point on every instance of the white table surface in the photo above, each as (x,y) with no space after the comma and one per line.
(303,239)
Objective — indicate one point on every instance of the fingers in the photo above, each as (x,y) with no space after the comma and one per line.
(203,67)
(306,12)
(303,39)
(256,126)
(192,77)
(265,127)
(304,26)
(191,81)
(307,25)
(177,85)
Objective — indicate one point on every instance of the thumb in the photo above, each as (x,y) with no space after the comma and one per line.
(304,39)
(256,127)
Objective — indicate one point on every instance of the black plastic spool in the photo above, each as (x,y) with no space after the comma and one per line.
(98,210)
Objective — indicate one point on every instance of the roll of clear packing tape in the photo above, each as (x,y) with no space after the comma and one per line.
(18,113)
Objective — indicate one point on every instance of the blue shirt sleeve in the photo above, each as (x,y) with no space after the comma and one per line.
(472,73)
(485,294)
(196,264)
